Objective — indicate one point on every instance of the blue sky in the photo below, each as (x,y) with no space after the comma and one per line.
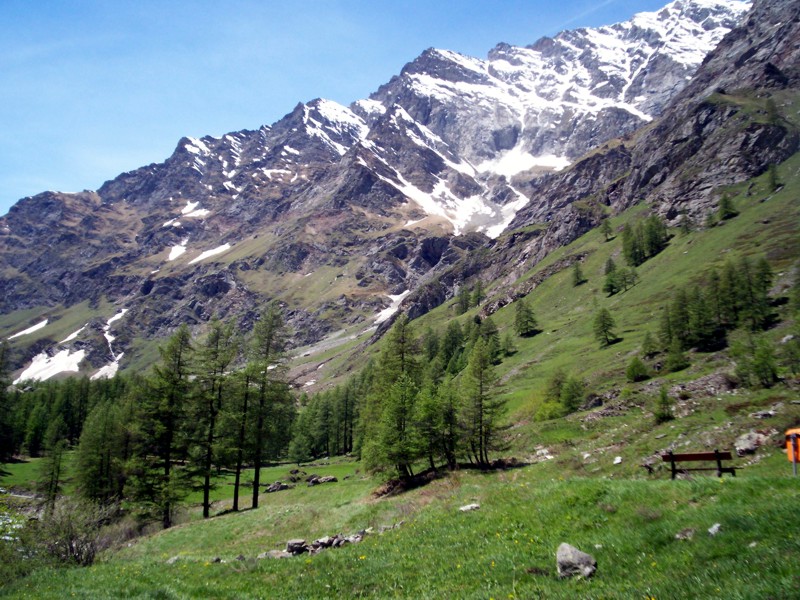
(92,88)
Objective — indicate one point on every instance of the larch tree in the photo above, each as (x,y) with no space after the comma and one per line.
(481,408)
(214,357)
(271,393)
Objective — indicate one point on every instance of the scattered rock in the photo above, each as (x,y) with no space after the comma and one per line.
(469,507)
(216,559)
(297,546)
(277,487)
(618,460)
(714,529)
(240,557)
(316,480)
(685,534)
(572,562)
(173,560)
(748,443)
(752,544)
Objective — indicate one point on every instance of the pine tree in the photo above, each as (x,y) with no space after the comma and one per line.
(524,320)
(772,178)
(271,392)
(7,445)
(507,347)
(663,412)
(105,447)
(649,346)
(162,429)
(572,394)
(463,300)
(610,267)
(577,275)
(50,468)
(676,359)
(398,437)
(398,361)
(726,209)
(214,357)
(605,229)
(481,409)
(603,327)
(632,248)
(477,294)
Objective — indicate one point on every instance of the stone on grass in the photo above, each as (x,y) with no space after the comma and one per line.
(572,562)
(173,560)
(297,546)
(748,443)
(714,529)
(618,460)
(685,534)
(470,507)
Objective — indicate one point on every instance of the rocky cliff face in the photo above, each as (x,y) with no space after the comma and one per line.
(341,212)
(733,120)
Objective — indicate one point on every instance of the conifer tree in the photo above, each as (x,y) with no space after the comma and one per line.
(463,300)
(481,409)
(162,429)
(726,210)
(605,229)
(396,382)
(649,346)
(50,468)
(663,411)
(103,451)
(214,358)
(271,395)
(676,359)
(524,320)
(577,275)
(572,394)
(477,294)
(6,410)
(603,327)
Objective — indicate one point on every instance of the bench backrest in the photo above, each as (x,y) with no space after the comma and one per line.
(692,456)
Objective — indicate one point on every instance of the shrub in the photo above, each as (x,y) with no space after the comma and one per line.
(637,370)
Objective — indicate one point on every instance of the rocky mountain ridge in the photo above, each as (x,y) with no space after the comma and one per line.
(341,213)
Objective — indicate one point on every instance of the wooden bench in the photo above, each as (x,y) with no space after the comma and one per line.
(716,456)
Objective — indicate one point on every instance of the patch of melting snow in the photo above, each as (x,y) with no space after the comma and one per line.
(210,253)
(310,382)
(44,367)
(29,330)
(176,251)
(73,335)
(111,368)
(387,313)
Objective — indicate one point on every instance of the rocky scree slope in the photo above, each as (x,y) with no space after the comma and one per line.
(339,212)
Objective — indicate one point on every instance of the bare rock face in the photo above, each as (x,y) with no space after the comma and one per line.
(571,562)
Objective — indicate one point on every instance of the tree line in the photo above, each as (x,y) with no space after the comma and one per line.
(221,402)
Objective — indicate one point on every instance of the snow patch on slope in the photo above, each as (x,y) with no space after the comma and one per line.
(43,367)
(210,253)
(29,330)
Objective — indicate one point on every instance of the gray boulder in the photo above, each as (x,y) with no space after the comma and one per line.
(748,443)
(571,562)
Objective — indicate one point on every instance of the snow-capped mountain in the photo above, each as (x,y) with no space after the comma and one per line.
(340,212)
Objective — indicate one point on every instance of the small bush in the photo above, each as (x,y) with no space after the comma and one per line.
(637,370)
